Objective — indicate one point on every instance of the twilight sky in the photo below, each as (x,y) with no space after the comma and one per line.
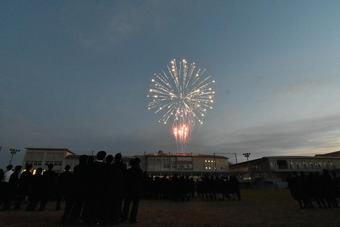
(75,74)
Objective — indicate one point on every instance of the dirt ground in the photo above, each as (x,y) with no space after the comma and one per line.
(257,208)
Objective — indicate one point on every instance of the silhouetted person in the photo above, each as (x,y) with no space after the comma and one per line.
(119,169)
(12,187)
(78,189)
(328,189)
(2,173)
(303,191)
(87,214)
(6,188)
(49,180)
(134,184)
(109,187)
(63,186)
(1,186)
(8,173)
(334,190)
(98,179)
(36,191)
(25,183)
(294,189)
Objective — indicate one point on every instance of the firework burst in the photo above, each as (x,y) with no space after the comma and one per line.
(181,96)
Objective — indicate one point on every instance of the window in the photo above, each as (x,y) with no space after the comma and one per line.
(37,163)
(282,164)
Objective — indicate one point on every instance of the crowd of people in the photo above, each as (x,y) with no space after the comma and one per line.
(314,188)
(102,189)
(98,191)
(184,188)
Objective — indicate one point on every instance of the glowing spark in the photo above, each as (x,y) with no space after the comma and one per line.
(181,95)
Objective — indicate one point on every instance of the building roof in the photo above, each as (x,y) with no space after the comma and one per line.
(331,154)
(49,149)
(161,153)
(258,160)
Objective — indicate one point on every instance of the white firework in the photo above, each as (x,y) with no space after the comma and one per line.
(182,96)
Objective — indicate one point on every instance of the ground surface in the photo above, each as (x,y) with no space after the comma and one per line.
(258,208)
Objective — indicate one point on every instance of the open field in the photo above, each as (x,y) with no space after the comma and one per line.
(258,208)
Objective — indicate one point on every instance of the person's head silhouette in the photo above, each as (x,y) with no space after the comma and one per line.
(28,167)
(109,159)
(83,160)
(50,166)
(101,155)
(67,168)
(39,171)
(118,157)
(17,168)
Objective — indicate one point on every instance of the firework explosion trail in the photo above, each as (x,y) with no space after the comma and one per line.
(181,96)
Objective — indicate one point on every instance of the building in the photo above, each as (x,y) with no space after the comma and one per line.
(273,170)
(163,163)
(40,157)
(159,163)
(332,154)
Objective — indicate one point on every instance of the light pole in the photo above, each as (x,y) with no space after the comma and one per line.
(246,155)
(145,163)
(13,151)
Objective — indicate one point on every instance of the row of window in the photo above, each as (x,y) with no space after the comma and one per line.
(55,163)
(35,163)
(39,163)
(284,164)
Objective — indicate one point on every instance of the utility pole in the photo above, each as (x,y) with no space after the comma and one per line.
(235,158)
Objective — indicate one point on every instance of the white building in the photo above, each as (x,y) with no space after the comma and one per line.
(40,157)
(183,163)
(274,170)
(159,163)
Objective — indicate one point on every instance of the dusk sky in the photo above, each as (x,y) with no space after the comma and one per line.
(75,74)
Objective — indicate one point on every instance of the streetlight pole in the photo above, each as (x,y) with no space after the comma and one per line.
(13,151)
(246,155)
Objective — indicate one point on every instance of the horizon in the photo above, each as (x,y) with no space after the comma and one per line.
(19,157)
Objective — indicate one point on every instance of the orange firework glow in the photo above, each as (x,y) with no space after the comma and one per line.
(181,133)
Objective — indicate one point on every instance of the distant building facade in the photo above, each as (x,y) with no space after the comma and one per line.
(159,163)
(162,163)
(40,157)
(275,169)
